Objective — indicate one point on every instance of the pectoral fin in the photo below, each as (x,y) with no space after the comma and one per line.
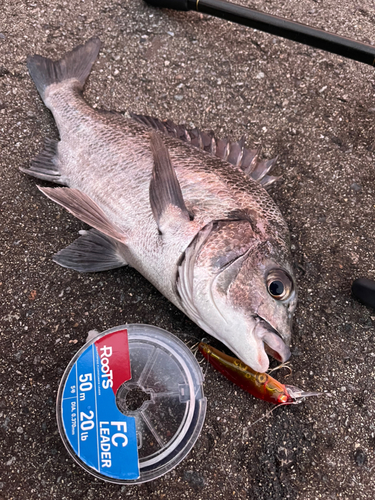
(167,203)
(85,209)
(92,252)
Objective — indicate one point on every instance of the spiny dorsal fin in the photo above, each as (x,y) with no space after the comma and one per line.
(165,190)
(234,153)
(85,209)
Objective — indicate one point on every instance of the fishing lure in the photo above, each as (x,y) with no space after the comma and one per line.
(260,385)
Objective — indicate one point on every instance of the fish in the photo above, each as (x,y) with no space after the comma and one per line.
(189,211)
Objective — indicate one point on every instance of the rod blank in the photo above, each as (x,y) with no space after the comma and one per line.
(345,47)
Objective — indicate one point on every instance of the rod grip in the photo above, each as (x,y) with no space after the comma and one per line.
(170,4)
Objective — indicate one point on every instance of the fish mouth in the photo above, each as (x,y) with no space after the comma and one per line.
(272,342)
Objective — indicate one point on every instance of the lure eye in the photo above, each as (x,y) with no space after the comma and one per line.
(261,378)
(282,398)
(279,284)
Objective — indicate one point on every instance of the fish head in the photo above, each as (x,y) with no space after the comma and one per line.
(260,292)
(244,292)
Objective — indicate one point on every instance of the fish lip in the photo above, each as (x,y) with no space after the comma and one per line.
(273,353)
(273,343)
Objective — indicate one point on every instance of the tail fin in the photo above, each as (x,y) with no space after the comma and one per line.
(75,64)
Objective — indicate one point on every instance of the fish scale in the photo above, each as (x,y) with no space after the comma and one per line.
(185,209)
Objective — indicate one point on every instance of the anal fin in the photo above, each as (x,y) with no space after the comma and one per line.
(92,252)
(46,165)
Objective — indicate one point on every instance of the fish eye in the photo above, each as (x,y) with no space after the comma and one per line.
(279,284)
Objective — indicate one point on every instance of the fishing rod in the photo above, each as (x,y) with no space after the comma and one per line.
(275,25)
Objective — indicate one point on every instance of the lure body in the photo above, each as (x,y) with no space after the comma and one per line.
(259,385)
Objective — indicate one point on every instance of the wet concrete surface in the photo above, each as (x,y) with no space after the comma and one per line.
(313,110)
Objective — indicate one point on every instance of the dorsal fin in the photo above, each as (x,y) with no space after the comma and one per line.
(165,191)
(248,160)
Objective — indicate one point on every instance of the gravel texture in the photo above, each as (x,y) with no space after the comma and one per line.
(313,110)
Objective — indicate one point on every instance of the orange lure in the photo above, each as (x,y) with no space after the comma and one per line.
(260,385)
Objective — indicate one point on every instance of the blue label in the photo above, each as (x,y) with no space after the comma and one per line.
(101,436)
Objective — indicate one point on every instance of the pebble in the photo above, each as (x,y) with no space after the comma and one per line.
(360,457)
(194,479)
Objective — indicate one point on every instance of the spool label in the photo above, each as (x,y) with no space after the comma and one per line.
(101,436)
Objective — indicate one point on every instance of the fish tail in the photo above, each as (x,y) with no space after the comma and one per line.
(73,69)
(75,65)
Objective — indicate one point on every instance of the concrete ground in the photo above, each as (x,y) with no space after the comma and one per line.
(313,110)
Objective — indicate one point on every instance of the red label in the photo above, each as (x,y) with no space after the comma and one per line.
(113,351)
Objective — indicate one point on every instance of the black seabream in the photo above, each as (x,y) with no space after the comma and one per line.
(188,211)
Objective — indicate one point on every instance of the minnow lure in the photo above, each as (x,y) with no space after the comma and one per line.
(259,385)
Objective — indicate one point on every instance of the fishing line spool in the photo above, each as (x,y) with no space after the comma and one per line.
(130,405)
